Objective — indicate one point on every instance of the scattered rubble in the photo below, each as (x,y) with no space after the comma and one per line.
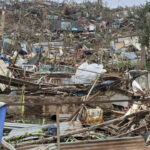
(76,66)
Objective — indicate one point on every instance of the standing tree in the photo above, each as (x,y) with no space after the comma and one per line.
(142,24)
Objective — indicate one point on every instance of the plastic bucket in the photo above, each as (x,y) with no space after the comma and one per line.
(2,118)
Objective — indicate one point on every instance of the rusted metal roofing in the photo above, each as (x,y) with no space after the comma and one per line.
(136,143)
(133,143)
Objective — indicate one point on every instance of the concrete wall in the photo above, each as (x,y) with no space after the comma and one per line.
(48,110)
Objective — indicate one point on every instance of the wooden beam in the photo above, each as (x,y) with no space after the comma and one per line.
(58,127)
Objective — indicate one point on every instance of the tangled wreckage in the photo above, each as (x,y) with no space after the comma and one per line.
(91,107)
(71,77)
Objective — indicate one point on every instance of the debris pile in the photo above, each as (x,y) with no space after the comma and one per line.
(79,67)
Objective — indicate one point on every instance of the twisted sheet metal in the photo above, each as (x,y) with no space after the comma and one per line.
(129,143)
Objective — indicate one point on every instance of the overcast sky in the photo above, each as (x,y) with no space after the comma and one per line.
(123,3)
(116,3)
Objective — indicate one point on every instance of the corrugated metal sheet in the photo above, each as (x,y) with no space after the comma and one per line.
(115,144)
(136,143)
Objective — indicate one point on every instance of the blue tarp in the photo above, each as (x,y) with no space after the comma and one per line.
(2,118)
(101,84)
(118,22)
(5,42)
(37,49)
(4,58)
(74,29)
(129,55)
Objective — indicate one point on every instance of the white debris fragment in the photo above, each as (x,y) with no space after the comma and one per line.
(86,73)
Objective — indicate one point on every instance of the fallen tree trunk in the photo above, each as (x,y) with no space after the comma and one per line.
(50,139)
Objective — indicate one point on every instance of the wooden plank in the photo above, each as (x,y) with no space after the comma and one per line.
(58,128)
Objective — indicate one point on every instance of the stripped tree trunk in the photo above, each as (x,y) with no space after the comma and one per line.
(143,58)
